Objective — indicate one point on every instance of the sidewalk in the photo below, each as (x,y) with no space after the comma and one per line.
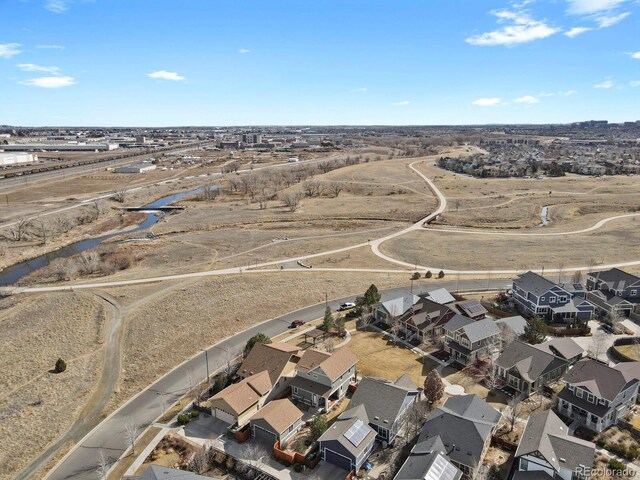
(627,463)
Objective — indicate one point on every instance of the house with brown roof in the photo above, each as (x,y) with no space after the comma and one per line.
(322,378)
(240,401)
(279,360)
(597,395)
(278,421)
(425,319)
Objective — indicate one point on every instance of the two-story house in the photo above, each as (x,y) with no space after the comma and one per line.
(393,306)
(535,295)
(425,319)
(614,291)
(547,451)
(387,404)
(597,395)
(469,341)
(323,378)
(464,424)
(237,403)
(528,368)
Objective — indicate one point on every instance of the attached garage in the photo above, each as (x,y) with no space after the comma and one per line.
(224,416)
(337,459)
(264,435)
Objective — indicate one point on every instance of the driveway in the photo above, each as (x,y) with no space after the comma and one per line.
(599,335)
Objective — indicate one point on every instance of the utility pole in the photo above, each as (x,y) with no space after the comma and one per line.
(326,300)
(206,360)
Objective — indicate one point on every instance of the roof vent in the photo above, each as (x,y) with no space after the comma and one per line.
(376,418)
(562,460)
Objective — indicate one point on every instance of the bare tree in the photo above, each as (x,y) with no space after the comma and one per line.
(560,271)
(90,261)
(62,224)
(19,229)
(598,344)
(577,277)
(262,201)
(97,208)
(492,376)
(3,250)
(199,462)
(511,411)
(329,345)
(292,201)
(312,188)
(415,418)
(326,166)
(394,327)
(507,335)
(103,466)
(120,194)
(616,318)
(253,457)
(42,229)
(131,432)
(210,191)
(336,188)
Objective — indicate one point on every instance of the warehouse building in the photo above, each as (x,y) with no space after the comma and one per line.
(59,147)
(8,159)
(141,168)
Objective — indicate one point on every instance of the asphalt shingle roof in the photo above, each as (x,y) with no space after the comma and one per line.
(428,461)
(529,361)
(615,278)
(601,380)
(343,423)
(534,283)
(381,398)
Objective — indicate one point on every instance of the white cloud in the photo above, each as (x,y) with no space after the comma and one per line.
(608,83)
(401,104)
(634,83)
(8,50)
(244,50)
(164,75)
(585,7)
(530,99)
(635,55)
(361,89)
(487,102)
(605,21)
(575,31)
(57,6)
(566,93)
(50,82)
(521,29)
(31,67)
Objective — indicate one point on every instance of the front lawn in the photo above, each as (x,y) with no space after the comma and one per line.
(379,357)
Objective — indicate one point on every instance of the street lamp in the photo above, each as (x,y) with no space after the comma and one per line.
(206,360)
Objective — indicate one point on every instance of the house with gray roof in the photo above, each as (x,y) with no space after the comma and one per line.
(393,305)
(387,404)
(547,451)
(464,425)
(441,296)
(614,291)
(535,295)
(597,395)
(428,461)
(516,324)
(528,368)
(469,341)
(349,441)
(426,319)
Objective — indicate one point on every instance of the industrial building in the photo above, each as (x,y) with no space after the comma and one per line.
(59,147)
(252,138)
(141,168)
(8,159)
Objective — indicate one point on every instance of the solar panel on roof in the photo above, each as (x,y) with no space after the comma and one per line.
(474,307)
(357,433)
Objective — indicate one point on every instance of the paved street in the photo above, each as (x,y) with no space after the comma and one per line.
(147,406)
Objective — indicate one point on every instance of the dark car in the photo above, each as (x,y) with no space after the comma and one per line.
(296,323)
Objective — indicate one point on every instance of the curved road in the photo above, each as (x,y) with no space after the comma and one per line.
(143,409)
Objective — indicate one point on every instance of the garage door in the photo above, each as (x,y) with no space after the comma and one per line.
(338,460)
(264,436)
(224,416)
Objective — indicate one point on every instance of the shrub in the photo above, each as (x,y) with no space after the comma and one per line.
(194,413)
(428,274)
(632,452)
(297,467)
(61,366)
(441,274)
(183,418)
(415,276)
(318,426)
(616,464)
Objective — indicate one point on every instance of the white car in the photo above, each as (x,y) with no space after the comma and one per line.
(346,306)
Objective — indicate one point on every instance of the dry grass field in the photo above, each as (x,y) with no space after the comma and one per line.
(37,406)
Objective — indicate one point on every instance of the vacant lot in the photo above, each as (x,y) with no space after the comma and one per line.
(37,406)
(379,357)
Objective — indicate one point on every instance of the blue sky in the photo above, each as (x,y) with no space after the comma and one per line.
(208,62)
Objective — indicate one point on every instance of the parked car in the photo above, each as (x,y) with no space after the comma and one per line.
(296,323)
(346,306)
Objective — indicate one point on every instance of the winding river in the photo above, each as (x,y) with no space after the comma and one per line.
(13,274)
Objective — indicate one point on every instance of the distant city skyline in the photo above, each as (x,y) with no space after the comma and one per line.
(195,63)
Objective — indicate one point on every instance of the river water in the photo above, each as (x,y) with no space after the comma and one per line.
(13,274)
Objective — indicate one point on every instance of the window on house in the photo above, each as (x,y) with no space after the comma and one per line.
(295,389)
(590,398)
(579,392)
(634,293)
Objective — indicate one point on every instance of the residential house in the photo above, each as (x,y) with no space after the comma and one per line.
(469,341)
(349,441)
(279,360)
(387,404)
(240,401)
(528,368)
(515,324)
(614,291)
(470,308)
(159,472)
(441,296)
(563,347)
(535,295)
(393,306)
(597,395)
(322,378)
(465,425)
(278,421)
(426,319)
(547,449)
(428,460)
